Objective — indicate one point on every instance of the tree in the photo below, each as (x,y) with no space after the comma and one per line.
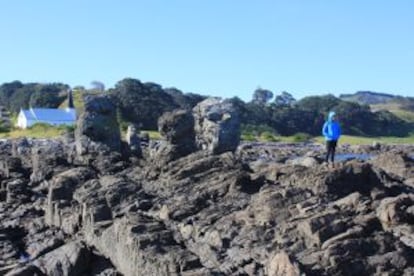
(21,97)
(262,96)
(185,101)
(48,95)
(7,90)
(318,103)
(142,103)
(284,99)
(98,86)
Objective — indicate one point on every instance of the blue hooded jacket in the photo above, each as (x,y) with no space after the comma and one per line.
(331,129)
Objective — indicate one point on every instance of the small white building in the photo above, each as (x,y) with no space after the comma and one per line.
(51,116)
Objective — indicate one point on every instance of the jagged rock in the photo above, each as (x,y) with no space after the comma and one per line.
(21,147)
(28,270)
(306,161)
(281,265)
(133,140)
(146,248)
(60,195)
(354,176)
(106,162)
(10,165)
(17,191)
(177,127)
(396,210)
(107,198)
(217,126)
(47,160)
(70,259)
(97,123)
(252,212)
(395,162)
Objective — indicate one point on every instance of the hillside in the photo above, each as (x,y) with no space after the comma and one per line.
(402,107)
(368,97)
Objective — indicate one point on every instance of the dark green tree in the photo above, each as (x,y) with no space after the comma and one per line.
(262,96)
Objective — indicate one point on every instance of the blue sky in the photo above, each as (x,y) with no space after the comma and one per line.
(213,47)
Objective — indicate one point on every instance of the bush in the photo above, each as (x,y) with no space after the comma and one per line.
(3,128)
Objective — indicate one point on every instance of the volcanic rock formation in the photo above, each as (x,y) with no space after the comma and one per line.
(196,204)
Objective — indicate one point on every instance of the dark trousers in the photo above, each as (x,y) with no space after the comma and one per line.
(330,150)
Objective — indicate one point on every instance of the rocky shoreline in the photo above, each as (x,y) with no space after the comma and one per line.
(198,203)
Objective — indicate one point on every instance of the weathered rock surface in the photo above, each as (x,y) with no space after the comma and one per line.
(133,141)
(258,210)
(217,126)
(177,127)
(399,163)
(98,123)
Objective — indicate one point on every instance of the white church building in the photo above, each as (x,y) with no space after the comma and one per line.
(51,116)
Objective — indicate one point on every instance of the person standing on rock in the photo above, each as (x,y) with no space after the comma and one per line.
(331,130)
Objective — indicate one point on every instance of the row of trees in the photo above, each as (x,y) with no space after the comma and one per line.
(144,103)
(16,95)
(288,116)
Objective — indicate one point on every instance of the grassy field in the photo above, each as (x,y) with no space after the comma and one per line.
(36,131)
(358,140)
(345,139)
(396,109)
(47,131)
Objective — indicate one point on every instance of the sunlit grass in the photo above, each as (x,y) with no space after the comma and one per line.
(358,140)
(396,109)
(78,100)
(269,137)
(48,131)
(153,135)
(345,139)
(405,115)
(35,131)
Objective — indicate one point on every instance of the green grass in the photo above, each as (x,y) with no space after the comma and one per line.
(48,131)
(359,140)
(78,101)
(269,137)
(405,115)
(36,131)
(154,135)
(396,109)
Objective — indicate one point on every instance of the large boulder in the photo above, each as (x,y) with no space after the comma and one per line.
(217,126)
(177,127)
(98,123)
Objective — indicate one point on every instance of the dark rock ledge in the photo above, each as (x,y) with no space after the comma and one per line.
(197,203)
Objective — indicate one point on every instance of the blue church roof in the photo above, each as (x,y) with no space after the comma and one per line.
(50,114)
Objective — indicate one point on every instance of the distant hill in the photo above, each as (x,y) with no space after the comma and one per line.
(402,107)
(368,97)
